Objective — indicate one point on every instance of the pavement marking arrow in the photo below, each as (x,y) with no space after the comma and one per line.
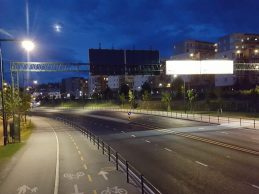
(104,174)
(76,190)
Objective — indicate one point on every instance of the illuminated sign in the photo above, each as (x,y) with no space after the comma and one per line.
(192,67)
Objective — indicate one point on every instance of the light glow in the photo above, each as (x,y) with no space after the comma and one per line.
(28,45)
(193,67)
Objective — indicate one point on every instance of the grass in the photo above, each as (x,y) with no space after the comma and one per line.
(10,149)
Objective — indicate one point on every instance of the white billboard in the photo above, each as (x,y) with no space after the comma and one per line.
(192,67)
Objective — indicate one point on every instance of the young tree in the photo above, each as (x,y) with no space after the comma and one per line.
(146,98)
(122,99)
(167,98)
(132,99)
(191,95)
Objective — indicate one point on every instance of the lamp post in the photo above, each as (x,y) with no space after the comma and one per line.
(27,45)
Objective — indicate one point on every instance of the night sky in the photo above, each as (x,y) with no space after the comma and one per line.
(119,24)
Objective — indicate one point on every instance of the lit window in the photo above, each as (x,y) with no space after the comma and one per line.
(237,47)
(238,52)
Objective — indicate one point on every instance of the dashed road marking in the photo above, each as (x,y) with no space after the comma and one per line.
(224,132)
(122,131)
(90,178)
(200,163)
(227,156)
(82,158)
(201,128)
(147,141)
(77,147)
(133,136)
(255,186)
(79,152)
(85,167)
(167,149)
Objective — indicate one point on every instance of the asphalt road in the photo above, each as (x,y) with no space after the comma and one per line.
(180,156)
(59,159)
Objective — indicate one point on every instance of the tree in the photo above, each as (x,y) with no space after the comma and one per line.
(122,99)
(145,87)
(177,87)
(166,99)
(124,88)
(25,104)
(191,95)
(132,99)
(146,97)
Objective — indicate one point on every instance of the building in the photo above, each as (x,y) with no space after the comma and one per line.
(194,49)
(243,49)
(74,87)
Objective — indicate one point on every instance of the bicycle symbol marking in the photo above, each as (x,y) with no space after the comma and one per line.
(115,190)
(71,176)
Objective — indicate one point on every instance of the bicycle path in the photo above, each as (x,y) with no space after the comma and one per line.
(59,159)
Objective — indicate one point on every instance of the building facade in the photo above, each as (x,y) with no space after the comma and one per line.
(74,87)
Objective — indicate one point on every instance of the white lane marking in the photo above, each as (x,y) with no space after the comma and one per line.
(57,165)
(166,131)
(122,131)
(79,152)
(200,163)
(201,128)
(76,190)
(85,166)
(167,149)
(147,141)
(227,156)
(133,136)
(224,132)
(255,186)
(82,158)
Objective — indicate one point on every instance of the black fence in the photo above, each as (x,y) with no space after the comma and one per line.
(132,174)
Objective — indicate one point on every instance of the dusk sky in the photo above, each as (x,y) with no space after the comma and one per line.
(121,24)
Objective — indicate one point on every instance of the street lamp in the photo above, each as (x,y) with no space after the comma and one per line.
(28,46)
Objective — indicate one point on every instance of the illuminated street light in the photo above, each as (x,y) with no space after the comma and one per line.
(35,81)
(28,46)
(256,51)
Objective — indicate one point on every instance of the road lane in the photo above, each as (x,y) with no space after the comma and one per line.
(186,165)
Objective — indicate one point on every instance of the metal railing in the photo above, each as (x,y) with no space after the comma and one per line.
(212,119)
(132,174)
